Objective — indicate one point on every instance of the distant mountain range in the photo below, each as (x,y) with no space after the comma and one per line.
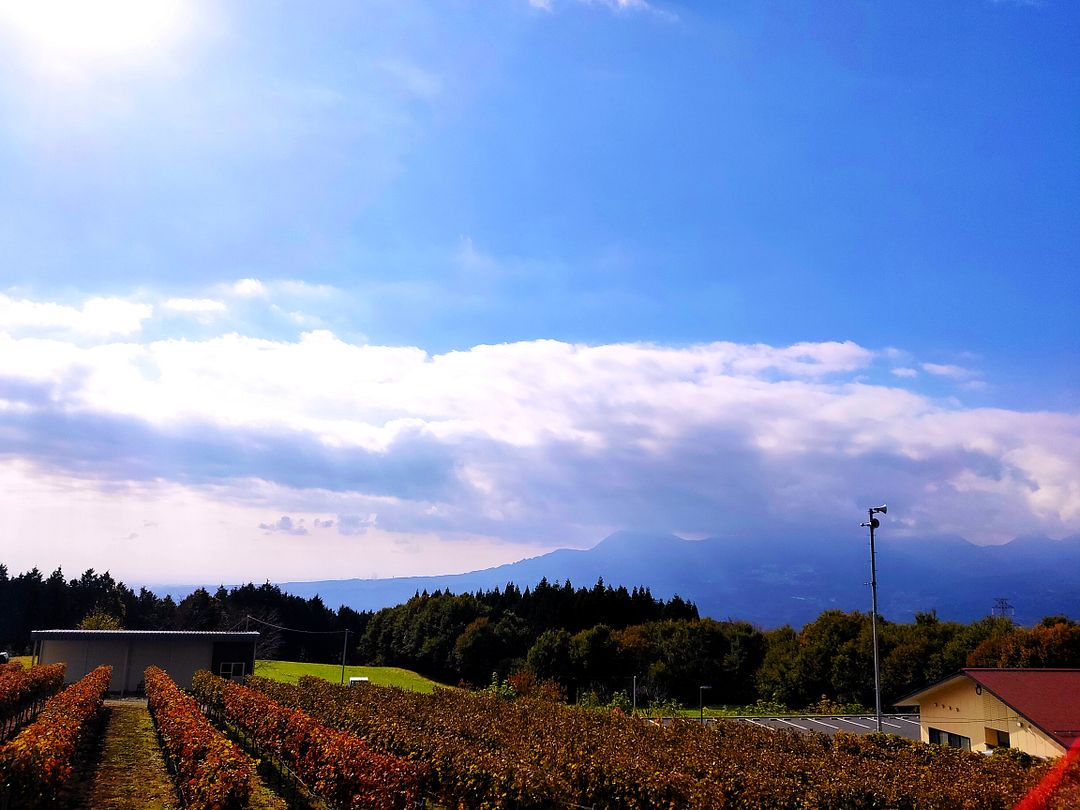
(779,582)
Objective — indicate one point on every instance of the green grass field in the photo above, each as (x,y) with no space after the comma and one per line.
(290,672)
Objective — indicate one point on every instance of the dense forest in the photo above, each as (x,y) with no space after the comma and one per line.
(97,601)
(590,643)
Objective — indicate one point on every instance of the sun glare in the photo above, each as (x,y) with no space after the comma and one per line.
(64,34)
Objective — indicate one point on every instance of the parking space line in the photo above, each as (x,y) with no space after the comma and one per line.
(796,725)
(903,726)
(854,723)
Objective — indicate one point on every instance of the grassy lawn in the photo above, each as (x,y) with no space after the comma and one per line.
(290,672)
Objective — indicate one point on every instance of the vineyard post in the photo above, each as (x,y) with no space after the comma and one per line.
(873,523)
(344,647)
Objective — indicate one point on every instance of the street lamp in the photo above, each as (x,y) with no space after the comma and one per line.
(873,523)
(701,703)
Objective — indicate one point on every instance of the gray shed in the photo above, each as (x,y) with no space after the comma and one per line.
(181,653)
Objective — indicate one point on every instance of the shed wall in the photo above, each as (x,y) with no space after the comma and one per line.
(957,708)
(129,657)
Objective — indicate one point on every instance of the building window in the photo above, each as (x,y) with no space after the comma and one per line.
(940,737)
(231,669)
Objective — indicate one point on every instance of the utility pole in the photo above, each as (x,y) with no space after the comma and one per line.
(873,523)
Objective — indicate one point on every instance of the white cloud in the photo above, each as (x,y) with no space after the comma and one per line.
(96,317)
(249,288)
(190,534)
(634,5)
(304,289)
(952,372)
(286,525)
(530,442)
(297,318)
(472,260)
(614,5)
(905,372)
(195,305)
(202,309)
(253,288)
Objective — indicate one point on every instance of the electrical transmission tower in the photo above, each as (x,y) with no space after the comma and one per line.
(1002,609)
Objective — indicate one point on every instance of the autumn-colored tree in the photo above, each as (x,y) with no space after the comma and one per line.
(100,620)
(1045,645)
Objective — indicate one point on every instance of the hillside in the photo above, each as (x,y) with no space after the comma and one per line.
(782,582)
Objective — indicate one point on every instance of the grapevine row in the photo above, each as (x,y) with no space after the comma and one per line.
(213,773)
(21,688)
(39,760)
(337,766)
(486,752)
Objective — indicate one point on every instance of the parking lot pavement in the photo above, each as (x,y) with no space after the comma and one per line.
(903,725)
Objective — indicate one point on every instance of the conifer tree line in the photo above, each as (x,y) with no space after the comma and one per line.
(95,601)
(589,643)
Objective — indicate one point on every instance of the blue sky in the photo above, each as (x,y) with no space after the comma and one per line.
(465,281)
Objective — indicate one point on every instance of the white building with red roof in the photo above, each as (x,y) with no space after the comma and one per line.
(980,709)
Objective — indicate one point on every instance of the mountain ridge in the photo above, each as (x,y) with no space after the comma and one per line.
(776,583)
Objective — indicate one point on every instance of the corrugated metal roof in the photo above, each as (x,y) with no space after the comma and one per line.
(209,635)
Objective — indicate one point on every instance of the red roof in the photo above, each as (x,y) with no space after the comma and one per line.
(1049,698)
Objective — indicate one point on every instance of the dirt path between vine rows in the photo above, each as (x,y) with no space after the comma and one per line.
(123,768)
(131,773)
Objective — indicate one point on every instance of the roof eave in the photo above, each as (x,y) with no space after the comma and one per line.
(909,699)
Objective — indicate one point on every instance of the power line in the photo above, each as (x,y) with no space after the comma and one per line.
(292,629)
(344,642)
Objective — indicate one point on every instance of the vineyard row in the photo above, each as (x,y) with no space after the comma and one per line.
(22,692)
(37,762)
(492,753)
(337,766)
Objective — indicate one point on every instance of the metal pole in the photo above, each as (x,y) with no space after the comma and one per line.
(635,696)
(344,646)
(873,622)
